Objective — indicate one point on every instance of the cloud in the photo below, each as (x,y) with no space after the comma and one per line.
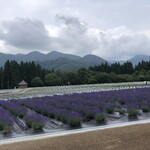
(122,43)
(71,35)
(74,36)
(25,34)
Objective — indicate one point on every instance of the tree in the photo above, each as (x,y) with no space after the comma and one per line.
(103,78)
(1,78)
(71,78)
(36,82)
(15,74)
(7,74)
(52,79)
(83,75)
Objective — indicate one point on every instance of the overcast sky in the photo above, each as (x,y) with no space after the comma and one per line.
(112,29)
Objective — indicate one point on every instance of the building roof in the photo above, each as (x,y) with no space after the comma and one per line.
(23,83)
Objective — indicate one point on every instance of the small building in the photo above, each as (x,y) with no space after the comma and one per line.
(22,84)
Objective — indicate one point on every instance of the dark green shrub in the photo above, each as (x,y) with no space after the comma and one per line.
(133,113)
(51,115)
(121,111)
(37,126)
(109,110)
(21,115)
(100,118)
(64,119)
(74,122)
(1,126)
(6,130)
(29,124)
(89,115)
(145,108)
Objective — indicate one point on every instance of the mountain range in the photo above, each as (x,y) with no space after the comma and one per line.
(65,63)
(55,60)
(62,61)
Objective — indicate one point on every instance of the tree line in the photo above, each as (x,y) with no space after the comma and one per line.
(12,73)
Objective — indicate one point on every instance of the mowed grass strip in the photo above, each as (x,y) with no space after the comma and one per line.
(134,137)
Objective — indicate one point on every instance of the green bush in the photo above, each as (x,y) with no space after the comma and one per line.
(29,124)
(145,108)
(1,126)
(133,113)
(36,82)
(121,111)
(109,110)
(6,130)
(89,115)
(21,115)
(100,118)
(37,126)
(51,115)
(74,122)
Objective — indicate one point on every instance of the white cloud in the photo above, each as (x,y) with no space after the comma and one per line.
(26,34)
(71,35)
(122,43)
(74,37)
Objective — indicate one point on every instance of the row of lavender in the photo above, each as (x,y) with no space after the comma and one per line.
(6,120)
(73,109)
(10,112)
(82,107)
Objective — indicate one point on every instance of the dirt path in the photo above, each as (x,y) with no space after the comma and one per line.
(135,137)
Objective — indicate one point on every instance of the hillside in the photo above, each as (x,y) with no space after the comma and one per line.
(138,58)
(35,56)
(55,60)
(63,61)
(67,64)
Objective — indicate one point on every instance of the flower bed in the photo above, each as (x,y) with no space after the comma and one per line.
(74,110)
(6,121)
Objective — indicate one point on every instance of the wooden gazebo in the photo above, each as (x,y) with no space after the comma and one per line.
(22,84)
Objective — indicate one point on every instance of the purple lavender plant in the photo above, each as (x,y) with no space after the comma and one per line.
(34,121)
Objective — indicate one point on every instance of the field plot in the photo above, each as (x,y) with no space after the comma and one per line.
(47,114)
(59,90)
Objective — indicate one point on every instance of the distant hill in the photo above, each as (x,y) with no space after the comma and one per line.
(67,64)
(134,60)
(54,55)
(35,56)
(55,60)
(63,61)
(138,58)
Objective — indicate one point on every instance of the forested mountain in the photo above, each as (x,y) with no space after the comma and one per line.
(54,60)
(62,61)
(67,64)
(35,56)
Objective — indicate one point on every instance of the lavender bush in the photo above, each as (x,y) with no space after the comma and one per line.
(88,105)
(6,121)
(34,121)
(14,108)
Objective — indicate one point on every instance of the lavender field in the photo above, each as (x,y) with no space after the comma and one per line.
(69,111)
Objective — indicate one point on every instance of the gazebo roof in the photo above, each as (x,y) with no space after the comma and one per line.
(23,83)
